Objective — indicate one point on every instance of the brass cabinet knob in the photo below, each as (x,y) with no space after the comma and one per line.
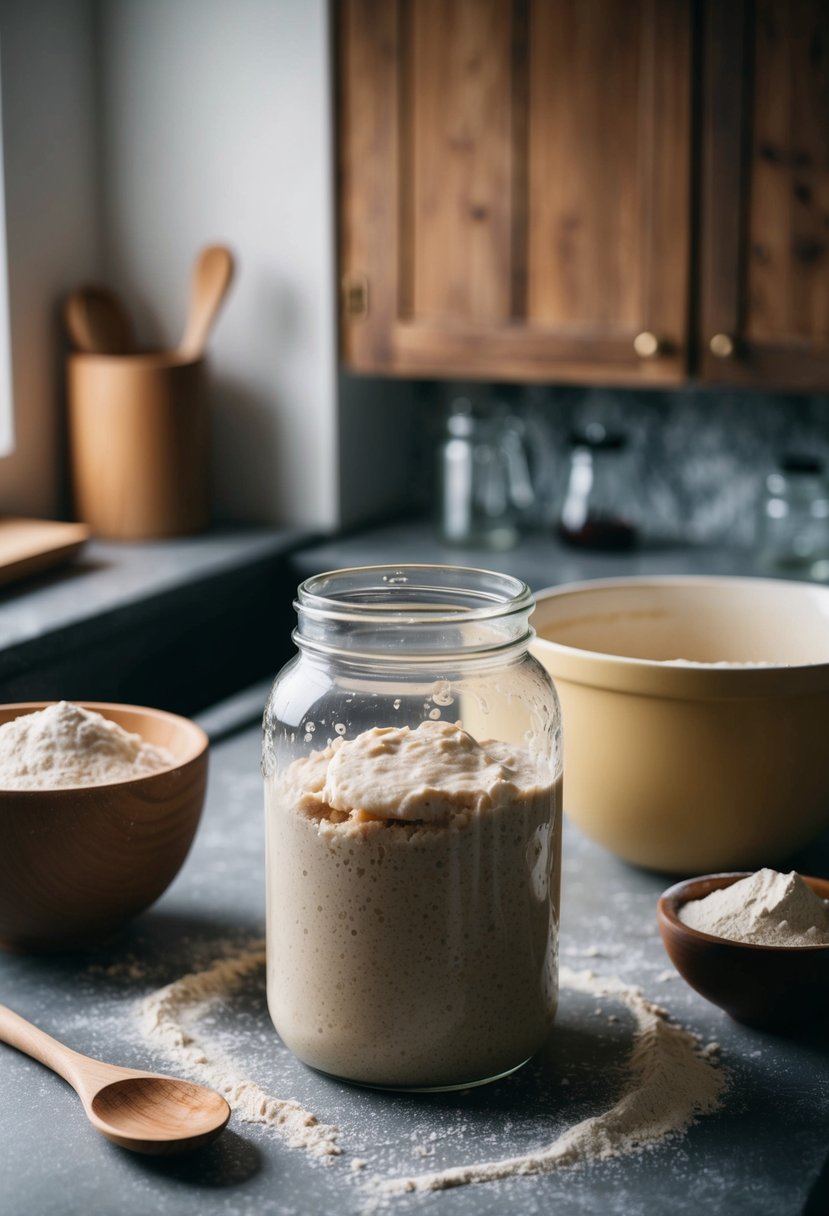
(722,346)
(355,296)
(648,345)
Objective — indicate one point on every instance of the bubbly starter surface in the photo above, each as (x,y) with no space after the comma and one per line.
(412,920)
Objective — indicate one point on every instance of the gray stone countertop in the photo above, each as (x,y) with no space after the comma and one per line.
(762,1154)
(134,621)
(111,579)
(539,558)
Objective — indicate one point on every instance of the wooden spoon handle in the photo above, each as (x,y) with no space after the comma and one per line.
(212,275)
(97,321)
(28,1038)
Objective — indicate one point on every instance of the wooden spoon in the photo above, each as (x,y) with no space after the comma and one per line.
(143,1111)
(212,275)
(98,322)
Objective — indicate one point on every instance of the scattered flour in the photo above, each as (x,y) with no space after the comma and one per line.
(65,745)
(672,1081)
(170,1018)
(129,968)
(765,909)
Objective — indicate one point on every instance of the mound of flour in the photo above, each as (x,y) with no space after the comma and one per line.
(765,909)
(65,745)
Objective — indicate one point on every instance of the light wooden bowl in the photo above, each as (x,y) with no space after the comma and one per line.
(77,864)
(766,986)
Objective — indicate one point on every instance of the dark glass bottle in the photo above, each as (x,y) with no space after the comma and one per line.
(599,509)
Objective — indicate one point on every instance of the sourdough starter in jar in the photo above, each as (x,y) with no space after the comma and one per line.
(413,880)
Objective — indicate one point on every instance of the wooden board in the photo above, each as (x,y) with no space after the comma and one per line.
(30,545)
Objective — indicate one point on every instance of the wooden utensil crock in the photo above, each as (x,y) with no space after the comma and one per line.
(139,444)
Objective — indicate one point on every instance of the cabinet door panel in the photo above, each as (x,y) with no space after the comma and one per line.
(587,199)
(788,283)
(765,213)
(514,186)
(456,185)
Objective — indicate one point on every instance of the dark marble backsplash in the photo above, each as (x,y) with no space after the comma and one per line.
(702,454)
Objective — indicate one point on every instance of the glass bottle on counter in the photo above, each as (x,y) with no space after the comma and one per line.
(793,523)
(412,763)
(599,508)
(473,482)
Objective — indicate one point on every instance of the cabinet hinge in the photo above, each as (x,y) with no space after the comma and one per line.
(355,296)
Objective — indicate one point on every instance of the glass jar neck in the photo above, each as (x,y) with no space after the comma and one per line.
(394,615)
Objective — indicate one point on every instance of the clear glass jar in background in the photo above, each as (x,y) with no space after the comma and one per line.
(793,519)
(600,506)
(412,866)
(474,472)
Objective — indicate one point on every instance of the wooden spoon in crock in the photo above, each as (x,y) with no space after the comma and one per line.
(212,275)
(97,322)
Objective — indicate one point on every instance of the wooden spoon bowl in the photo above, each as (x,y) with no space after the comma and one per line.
(765,986)
(152,1113)
(212,276)
(98,322)
(76,864)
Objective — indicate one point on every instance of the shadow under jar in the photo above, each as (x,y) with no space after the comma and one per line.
(412,764)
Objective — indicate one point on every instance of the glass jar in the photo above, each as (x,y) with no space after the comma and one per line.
(412,765)
(473,480)
(793,523)
(599,509)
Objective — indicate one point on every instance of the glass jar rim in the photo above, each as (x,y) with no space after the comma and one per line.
(412,614)
(489,593)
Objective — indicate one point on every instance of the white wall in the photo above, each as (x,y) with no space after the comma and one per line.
(51,204)
(136,131)
(217,126)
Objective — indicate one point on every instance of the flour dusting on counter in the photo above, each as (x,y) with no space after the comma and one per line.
(672,1082)
(170,1018)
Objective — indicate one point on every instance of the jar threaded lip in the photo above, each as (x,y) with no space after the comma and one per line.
(427,608)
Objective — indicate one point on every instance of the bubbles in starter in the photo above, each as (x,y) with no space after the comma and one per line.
(442,693)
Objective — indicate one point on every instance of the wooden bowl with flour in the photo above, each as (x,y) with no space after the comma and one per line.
(773,987)
(78,861)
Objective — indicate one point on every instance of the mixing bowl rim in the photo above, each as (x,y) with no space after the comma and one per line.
(660,677)
(717,580)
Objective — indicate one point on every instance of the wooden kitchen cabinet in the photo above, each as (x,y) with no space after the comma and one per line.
(514,188)
(593,191)
(764,240)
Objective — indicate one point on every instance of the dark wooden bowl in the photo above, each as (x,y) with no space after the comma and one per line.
(767,986)
(77,864)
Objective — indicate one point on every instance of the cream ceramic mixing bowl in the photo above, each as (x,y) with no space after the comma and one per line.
(695,714)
